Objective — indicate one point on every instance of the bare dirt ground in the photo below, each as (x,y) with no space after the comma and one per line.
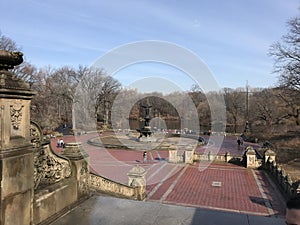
(287,148)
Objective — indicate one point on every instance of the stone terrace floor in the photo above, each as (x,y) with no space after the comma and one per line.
(103,210)
(219,186)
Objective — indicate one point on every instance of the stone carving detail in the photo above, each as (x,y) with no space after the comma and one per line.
(49,168)
(16,116)
(35,134)
(105,185)
(84,178)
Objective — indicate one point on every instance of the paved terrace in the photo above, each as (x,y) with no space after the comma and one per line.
(235,192)
(103,210)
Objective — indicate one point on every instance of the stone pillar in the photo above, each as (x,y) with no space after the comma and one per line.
(173,154)
(227,156)
(188,154)
(80,167)
(137,179)
(209,156)
(269,156)
(251,160)
(16,151)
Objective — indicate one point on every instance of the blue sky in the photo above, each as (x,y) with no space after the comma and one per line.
(232,37)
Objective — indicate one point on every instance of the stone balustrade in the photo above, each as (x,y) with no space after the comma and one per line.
(281,177)
(227,157)
(136,188)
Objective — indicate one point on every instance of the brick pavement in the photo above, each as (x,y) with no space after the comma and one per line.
(242,190)
(239,191)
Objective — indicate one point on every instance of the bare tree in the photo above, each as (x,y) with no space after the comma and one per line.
(25,70)
(95,95)
(8,44)
(287,56)
(290,103)
(235,107)
(107,91)
(287,63)
(268,109)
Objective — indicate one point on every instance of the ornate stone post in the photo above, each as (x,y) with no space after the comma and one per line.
(188,154)
(227,157)
(251,158)
(137,179)
(80,163)
(16,151)
(173,154)
(269,157)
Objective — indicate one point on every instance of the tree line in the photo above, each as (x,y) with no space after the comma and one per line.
(93,94)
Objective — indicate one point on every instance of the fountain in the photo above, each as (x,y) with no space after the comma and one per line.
(145,140)
(145,132)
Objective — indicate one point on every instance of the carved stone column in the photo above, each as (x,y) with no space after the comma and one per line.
(173,154)
(16,151)
(251,159)
(269,156)
(80,163)
(228,157)
(188,154)
(137,179)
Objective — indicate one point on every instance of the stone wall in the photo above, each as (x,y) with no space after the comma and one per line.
(49,202)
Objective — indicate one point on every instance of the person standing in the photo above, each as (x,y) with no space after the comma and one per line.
(145,157)
(238,141)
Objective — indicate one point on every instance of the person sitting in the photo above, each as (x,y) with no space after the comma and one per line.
(61,143)
(292,216)
(58,143)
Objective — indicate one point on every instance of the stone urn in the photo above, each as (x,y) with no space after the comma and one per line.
(9,82)
(8,60)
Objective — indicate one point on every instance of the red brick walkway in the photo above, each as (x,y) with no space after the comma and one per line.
(237,189)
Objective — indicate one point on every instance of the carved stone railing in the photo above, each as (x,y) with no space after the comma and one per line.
(279,174)
(105,185)
(60,182)
(227,157)
(36,134)
(282,178)
(49,168)
(102,184)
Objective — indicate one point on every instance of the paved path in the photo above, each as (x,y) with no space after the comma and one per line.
(229,144)
(220,186)
(103,210)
